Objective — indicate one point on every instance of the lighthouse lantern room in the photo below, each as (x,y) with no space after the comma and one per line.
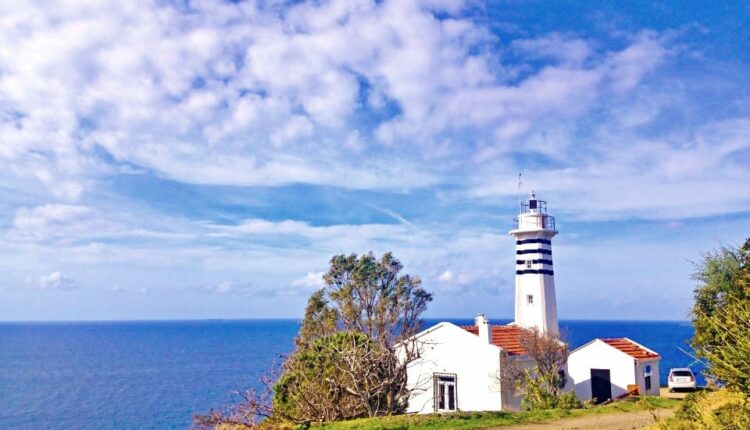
(536,306)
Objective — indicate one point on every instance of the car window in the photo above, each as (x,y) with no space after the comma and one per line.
(681,373)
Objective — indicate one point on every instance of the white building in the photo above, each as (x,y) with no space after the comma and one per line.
(609,368)
(459,368)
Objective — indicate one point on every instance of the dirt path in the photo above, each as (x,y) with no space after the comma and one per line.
(616,421)
(664,392)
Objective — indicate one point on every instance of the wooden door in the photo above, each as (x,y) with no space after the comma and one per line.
(601,387)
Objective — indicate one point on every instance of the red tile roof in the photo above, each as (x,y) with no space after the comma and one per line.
(631,348)
(504,336)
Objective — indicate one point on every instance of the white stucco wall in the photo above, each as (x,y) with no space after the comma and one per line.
(599,355)
(446,348)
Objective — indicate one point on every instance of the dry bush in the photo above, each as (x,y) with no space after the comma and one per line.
(536,375)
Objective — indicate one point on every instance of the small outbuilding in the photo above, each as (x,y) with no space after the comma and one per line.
(606,369)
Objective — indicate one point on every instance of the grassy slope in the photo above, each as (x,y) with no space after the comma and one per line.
(479,420)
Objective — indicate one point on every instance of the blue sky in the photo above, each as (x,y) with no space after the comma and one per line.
(205,159)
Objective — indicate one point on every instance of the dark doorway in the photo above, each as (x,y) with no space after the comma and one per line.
(601,388)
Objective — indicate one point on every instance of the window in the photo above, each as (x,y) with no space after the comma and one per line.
(562,379)
(528,264)
(445,392)
(530,299)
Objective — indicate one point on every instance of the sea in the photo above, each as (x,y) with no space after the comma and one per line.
(159,374)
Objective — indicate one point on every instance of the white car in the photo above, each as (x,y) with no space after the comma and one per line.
(681,379)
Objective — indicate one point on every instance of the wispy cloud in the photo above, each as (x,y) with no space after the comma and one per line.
(77,223)
(680,175)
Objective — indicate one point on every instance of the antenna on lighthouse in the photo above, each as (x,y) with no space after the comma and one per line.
(519,188)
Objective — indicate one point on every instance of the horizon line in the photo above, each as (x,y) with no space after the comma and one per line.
(63,321)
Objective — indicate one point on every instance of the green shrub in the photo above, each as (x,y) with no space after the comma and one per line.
(538,394)
(718,410)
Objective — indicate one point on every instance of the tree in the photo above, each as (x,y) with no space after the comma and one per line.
(541,382)
(352,350)
(716,274)
(721,315)
(335,377)
(346,363)
(369,296)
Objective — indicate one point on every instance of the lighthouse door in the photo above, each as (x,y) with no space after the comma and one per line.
(601,387)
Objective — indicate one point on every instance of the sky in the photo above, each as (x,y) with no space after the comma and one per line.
(206,159)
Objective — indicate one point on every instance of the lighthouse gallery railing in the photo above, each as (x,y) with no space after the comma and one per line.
(547,222)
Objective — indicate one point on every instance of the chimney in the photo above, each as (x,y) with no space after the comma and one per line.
(484,328)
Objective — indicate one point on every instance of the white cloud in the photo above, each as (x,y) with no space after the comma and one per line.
(446,276)
(310,282)
(630,65)
(55,281)
(239,94)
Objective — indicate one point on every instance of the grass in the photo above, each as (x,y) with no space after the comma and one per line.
(480,420)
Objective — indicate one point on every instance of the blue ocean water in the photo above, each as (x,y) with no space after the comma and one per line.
(156,375)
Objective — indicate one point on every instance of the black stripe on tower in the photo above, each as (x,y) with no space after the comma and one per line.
(535,272)
(525,241)
(534,251)
(535,262)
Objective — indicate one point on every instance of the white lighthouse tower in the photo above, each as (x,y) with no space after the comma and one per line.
(536,305)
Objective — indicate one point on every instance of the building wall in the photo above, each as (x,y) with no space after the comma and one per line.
(512,396)
(640,377)
(446,348)
(599,355)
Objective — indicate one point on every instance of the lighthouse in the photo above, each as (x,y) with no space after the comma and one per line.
(536,306)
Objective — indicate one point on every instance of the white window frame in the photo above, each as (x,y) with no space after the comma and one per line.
(449,385)
(529,299)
